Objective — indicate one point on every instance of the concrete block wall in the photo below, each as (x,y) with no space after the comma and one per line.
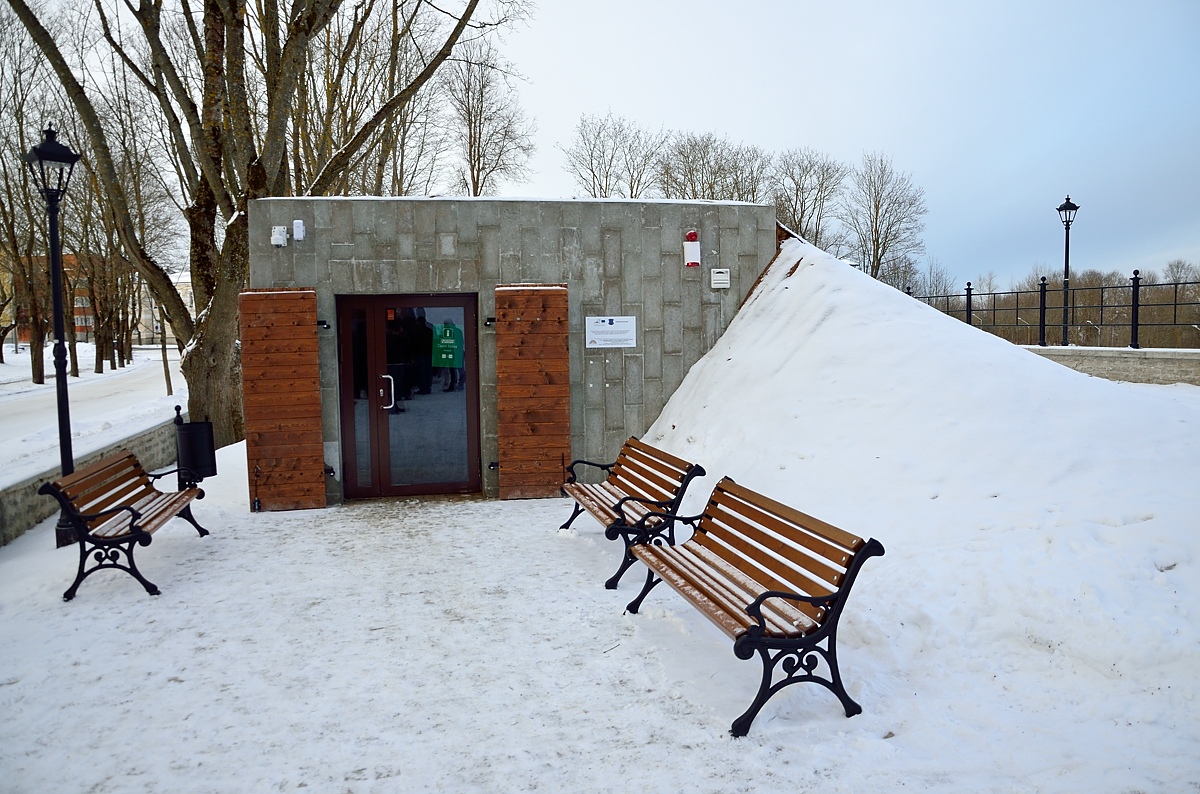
(617,257)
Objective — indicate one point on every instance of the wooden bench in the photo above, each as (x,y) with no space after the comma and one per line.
(112,506)
(772,578)
(642,480)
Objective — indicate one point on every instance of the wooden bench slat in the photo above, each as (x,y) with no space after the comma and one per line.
(850,541)
(636,466)
(742,555)
(659,454)
(118,467)
(788,532)
(766,551)
(794,616)
(598,500)
(110,496)
(156,510)
(688,589)
(728,589)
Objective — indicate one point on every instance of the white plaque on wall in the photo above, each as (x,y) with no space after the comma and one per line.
(610,331)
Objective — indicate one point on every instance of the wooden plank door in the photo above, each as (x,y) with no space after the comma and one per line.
(533,389)
(281,398)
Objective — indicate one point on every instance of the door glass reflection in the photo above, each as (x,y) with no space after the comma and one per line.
(427,425)
(362,401)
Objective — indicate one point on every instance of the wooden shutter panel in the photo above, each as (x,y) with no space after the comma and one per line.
(533,389)
(281,398)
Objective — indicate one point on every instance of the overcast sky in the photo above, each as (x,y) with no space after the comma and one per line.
(997,110)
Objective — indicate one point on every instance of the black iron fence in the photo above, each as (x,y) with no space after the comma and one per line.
(1127,315)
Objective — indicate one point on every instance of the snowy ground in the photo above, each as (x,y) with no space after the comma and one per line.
(1032,626)
(100,407)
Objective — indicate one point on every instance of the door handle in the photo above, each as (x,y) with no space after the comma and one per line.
(392,383)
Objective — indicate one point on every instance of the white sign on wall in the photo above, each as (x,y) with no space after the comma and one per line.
(610,332)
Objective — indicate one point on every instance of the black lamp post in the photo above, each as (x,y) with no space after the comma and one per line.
(51,164)
(1066,211)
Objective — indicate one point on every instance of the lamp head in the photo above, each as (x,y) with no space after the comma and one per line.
(51,164)
(1066,211)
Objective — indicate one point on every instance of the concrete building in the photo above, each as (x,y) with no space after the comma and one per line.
(446,333)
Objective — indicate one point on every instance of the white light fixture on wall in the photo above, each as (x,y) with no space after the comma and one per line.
(279,236)
(298,230)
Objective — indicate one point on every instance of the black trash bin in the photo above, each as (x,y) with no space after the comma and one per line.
(195,449)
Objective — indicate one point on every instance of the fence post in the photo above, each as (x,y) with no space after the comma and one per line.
(1134,303)
(968,303)
(1042,314)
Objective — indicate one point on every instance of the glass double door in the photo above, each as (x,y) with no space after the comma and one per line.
(408,368)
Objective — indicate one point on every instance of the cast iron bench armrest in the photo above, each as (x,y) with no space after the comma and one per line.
(614,531)
(188,474)
(85,518)
(183,469)
(646,533)
(571,468)
(689,520)
(754,609)
(134,514)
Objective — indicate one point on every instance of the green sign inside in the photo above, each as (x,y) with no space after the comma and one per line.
(448,346)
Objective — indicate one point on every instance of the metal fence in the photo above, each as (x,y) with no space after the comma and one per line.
(1134,315)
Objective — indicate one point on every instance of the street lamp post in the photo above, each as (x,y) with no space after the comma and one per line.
(1066,211)
(51,164)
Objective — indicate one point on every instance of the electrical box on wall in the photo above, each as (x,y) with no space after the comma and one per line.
(279,236)
(719,278)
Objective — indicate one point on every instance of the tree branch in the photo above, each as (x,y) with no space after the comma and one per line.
(345,156)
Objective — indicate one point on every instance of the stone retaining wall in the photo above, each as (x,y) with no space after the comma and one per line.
(22,507)
(1126,364)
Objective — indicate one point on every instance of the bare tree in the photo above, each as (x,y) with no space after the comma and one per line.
(593,158)
(704,166)
(23,93)
(8,323)
(806,186)
(612,156)
(882,211)
(494,141)
(986,282)
(933,280)
(1180,270)
(223,79)
(369,50)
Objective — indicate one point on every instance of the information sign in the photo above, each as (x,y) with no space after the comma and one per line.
(610,332)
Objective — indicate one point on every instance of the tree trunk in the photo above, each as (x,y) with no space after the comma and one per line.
(162,341)
(69,328)
(212,367)
(37,349)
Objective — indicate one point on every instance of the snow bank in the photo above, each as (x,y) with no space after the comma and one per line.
(1041,525)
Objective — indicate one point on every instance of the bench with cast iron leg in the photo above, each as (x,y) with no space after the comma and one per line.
(642,480)
(113,506)
(772,578)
